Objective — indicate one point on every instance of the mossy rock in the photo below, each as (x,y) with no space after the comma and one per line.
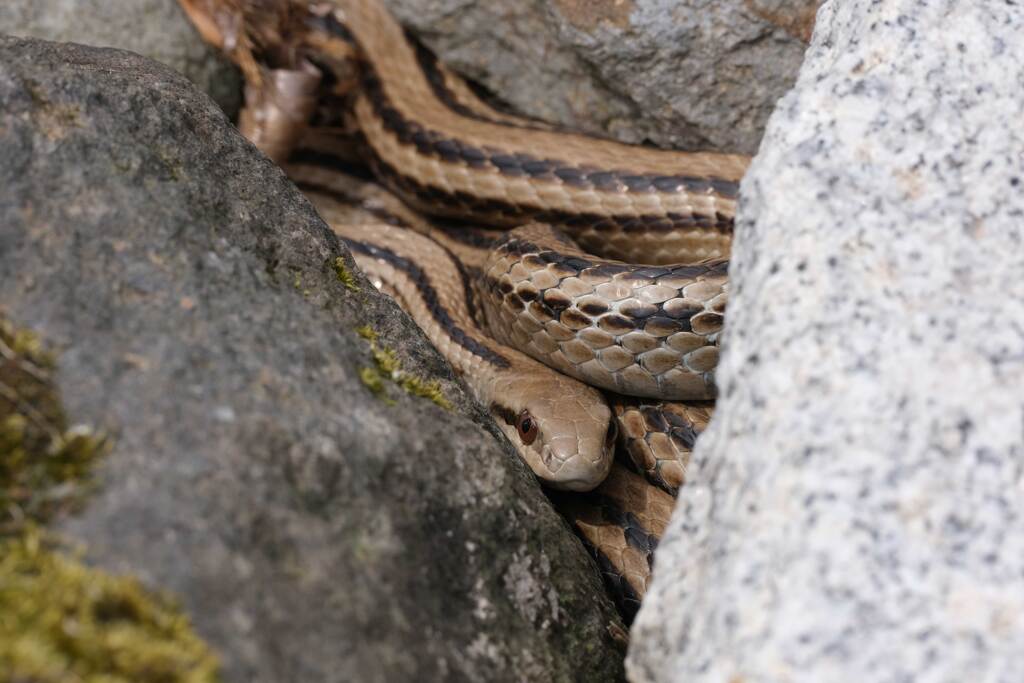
(44,463)
(60,620)
(63,621)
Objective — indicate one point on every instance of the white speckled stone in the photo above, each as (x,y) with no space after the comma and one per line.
(858,514)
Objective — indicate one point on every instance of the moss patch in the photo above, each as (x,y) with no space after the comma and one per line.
(53,120)
(40,455)
(374,381)
(388,367)
(345,276)
(62,621)
(297,283)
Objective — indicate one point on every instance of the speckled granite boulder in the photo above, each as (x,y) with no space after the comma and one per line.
(859,513)
(681,73)
(157,29)
(207,319)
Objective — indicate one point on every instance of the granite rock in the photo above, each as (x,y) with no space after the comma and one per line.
(685,74)
(207,320)
(858,514)
(157,29)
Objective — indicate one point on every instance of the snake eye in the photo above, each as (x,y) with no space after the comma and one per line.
(527,427)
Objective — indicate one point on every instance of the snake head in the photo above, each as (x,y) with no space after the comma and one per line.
(562,428)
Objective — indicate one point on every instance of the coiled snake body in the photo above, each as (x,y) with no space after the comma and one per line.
(647,330)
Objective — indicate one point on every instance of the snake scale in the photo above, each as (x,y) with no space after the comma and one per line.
(609,269)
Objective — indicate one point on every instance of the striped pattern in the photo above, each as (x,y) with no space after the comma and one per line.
(433,141)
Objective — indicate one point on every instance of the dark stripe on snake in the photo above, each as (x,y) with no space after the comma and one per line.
(432,143)
(632,528)
(464,235)
(457,233)
(466,274)
(625,594)
(469,276)
(430,66)
(435,79)
(435,144)
(328,23)
(507,415)
(510,244)
(431,300)
(331,162)
(669,423)
(457,204)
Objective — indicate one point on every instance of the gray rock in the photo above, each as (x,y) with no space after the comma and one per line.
(157,29)
(858,517)
(681,73)
(313,531)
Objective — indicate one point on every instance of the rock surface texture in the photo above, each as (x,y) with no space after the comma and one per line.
(686,74)
(206,318)
(859,515)
(157,29)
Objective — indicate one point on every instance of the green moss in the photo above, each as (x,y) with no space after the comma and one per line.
(122,166)
(344,275)
(387,361)
(374,381)
(62,621)
(171,163)
(39,453)
(389,367)
(297,283)
(53,120)
(425,389)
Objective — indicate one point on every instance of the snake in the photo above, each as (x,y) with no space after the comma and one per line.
(553,263)
(622,519)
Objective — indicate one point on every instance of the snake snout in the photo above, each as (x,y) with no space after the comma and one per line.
(580,454)
(579,475)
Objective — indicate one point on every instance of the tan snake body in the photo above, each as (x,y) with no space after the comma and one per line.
(563,427)
(492,172)
(648,329)
(623,518)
